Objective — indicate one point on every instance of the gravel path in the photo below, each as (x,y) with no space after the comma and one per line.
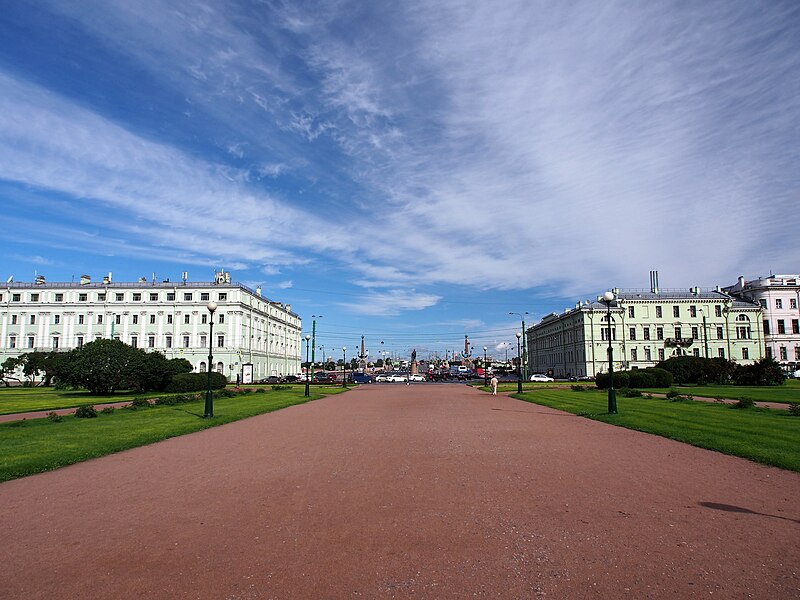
(405,492)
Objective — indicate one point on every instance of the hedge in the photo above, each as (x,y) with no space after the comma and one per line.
(637,378)
(196,382)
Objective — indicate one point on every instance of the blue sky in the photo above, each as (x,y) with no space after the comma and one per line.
(413,171)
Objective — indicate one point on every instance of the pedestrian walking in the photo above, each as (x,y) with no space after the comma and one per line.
(493,383)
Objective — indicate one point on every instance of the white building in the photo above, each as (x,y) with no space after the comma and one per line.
(647,326)
(779,297)
(253,336)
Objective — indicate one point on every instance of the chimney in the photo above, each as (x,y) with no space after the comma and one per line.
(288,308)
(86,280)
(654,282)
(258,291)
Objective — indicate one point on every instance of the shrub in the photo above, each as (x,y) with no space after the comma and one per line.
(165,401)
(763,372)
(261,391)
(87,411)
(108,410)
(54,417)
(794,409)
(278,388)
(631,393)
(745,402)
(22,423)
(637,378)
(699,370)
(578,388)
(139,402)
(672,393)
(196,382)
(223,393)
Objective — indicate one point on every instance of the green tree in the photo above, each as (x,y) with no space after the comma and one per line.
(8,368)
(102,366)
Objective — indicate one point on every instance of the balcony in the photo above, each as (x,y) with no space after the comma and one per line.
(679,342)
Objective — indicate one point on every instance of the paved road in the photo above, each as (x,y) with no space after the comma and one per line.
(405,492)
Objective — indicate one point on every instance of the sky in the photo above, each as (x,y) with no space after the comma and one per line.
(411,171)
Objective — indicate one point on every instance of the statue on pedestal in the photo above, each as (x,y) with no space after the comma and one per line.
(414,362)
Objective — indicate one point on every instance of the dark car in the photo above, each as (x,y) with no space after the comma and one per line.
(290,379)
(323,377)
(361,378)
(271,379)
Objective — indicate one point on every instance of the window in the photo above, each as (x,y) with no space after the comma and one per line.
(31,341)
(101,297)
(81,319)
(692,311)
(646,333)
(631,312)
(154,297)
(134,341)
(659,333)
(137,297)
(783,353)
(721,352)
(168,341)
(678,335)
(766,326)
(80,341)
(745,354)
(83,297)
(12,342)
(15,297)
(187,297)
(169,319)
(220,367)
(118,319)
(119,297)
(186,341)
(769,352)
(202,367)
(797,352)
(658,312)
(676,311)
(135,319)
(56,319)
(763,302)
(718,310)
(696,352)
(204,319)
(205,297)
(223,296)
(221,318)
(99,319)
(793,303)
(632,333)
(220,341)
(59,297)
(186,319)
(604,333)
(695,333)
(720,333)
(13,319)
(151,341)
(743,333)
(34,297)
(647,356)
(795,326)
(781,326)
(170,296)
(203,341)
(152,319)
(778,303)
(660,354)
(55,342)
(634,354)
(33,320)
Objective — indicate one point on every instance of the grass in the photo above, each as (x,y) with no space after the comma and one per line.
(762,435)
(20,399)
(37,445)
(788,392)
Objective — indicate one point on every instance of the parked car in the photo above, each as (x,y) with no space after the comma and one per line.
(271,379)
(540,377)
(323,377)
(416,377)
(397,378)
(361,378)
(290,379)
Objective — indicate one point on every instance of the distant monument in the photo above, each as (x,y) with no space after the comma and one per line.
(414,362)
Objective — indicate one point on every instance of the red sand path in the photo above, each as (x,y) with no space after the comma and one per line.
(405,492)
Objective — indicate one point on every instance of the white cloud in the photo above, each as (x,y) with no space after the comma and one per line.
(391,302)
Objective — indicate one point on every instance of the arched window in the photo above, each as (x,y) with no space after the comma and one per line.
(742,318)
(202,367)
(220,367)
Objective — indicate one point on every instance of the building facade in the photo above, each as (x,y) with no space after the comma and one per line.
(647,326)
(779,297)
(253,337)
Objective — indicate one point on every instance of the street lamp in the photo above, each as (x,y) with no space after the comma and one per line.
(607,299)
(308,379)
(524,363)
(313,340)
(344,366)
(519,365)
(485,369)
(209,410)
(705,331)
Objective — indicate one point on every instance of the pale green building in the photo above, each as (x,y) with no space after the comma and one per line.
(647,326)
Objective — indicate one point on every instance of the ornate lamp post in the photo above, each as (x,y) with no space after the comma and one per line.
(313,340)
(485,369)
(209,410)
(344,366)
(524,363)
(519,365)
(607,299)
(308,375)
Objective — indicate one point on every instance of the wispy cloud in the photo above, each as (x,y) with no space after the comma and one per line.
(391,302)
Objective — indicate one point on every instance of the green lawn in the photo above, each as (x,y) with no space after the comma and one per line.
(20,399)
(789,392)
(762,435)
(37,445)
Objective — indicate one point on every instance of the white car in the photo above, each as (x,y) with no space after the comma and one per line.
(394,378)
(381,378)
(416,377)
(540,377)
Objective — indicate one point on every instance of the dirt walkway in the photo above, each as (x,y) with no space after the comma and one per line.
(405,492)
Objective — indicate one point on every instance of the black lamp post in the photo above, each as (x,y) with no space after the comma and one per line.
(607,299)
(209,410)
(485,369)
(344,366)
(308,373)
(524,348)
(313,341)
(519,365)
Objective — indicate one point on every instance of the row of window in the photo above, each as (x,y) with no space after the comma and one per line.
(676,310)
(779,303)
(783,353)
(782,326)
(185,340)
(120,296)
(118,319)
(742,333)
